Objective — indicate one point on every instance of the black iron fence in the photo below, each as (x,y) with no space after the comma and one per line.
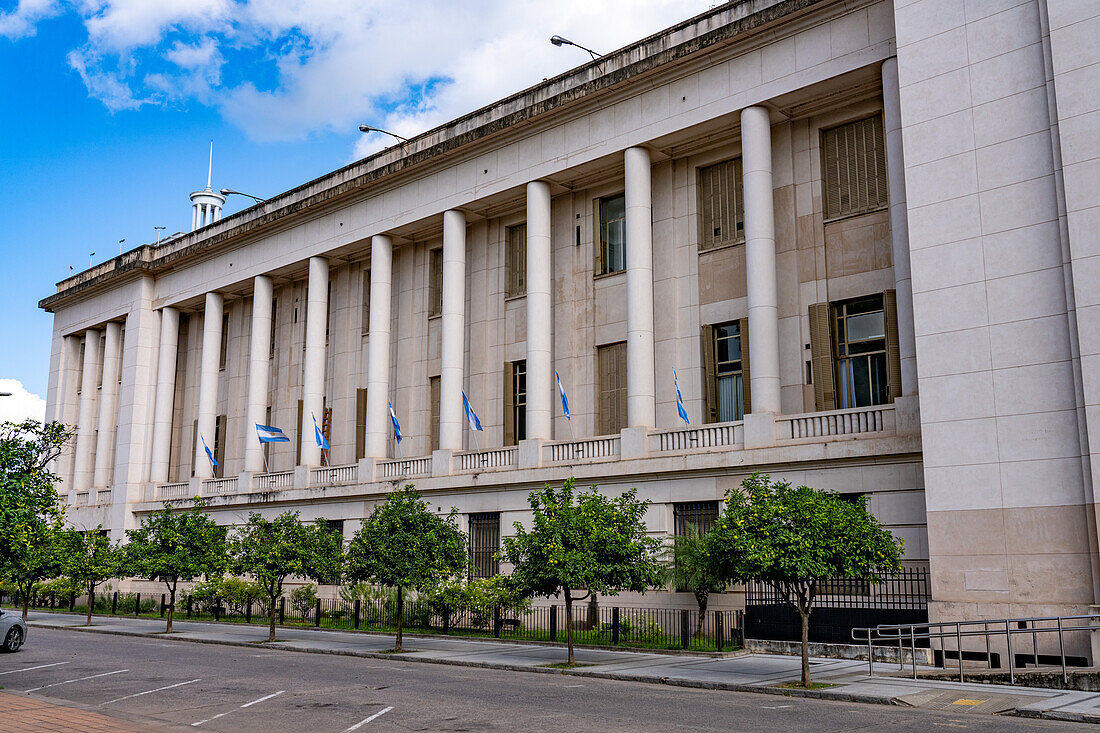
(840,605)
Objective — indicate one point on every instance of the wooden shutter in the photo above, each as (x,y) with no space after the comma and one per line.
(710,376)
(298,438)
(360,424)
(194,444)
(435,289)
(721,211)
(893,351)
(611,363)
(219,445)
(597,238)
(509,405)
(223,354)
(434,388)
(515,266)
(746,388)
(365,328)
(854,167)
(821,354)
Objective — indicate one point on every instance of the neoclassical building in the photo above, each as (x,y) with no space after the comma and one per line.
(859,235)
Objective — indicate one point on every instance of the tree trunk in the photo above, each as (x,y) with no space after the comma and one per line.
(91,602)
(702,598)
(171,607)
(569,624)
(400,617)
(805,614)
(26,604)
(271,618)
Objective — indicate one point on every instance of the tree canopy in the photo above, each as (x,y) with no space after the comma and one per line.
(404,545)
(585,540)
(89,559)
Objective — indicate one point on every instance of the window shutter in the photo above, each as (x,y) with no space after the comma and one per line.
(194,444)
(326,430)
(710,376)
(219,445)
(597,238)
(893,352)
(821,355)
(360,424)
(435,289)
(298,438)
(746,389)
(509,405)
(434,384)
(365,326)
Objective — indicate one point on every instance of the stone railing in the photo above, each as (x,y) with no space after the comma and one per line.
(220,485)
(103,496)
(817,425)
(275,480)
(487,459)
(173,491)
(717,435)
(405,468)
(332,475)
(607,447)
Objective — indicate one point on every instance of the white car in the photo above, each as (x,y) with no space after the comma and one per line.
(13,631)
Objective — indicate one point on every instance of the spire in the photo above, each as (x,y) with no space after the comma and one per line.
(206,205)
(210,166)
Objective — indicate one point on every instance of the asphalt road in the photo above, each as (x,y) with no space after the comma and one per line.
(171,685)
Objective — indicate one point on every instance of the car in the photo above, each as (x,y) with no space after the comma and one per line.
(13,631)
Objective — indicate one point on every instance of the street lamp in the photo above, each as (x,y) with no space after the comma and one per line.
(158,230)
(369,128)
(227,191)
(559,41)
(5,394)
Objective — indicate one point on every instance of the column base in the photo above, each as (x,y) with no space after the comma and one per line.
(907,415)
(244,481)
(441,462)
(633,443)
(759,430)
(530,453)
(366,470)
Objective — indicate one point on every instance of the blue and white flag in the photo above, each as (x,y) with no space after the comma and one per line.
(471,416)
(396,425)
(318,435)
(209,453)
(680,399)
(564,399)
(269,434)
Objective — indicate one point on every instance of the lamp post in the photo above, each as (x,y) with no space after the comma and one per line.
(158,230)
(559,42)
(228,191)
(369,128)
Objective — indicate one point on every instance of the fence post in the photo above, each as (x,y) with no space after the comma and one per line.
(188,605)
(162,605)
(317,613)
(282,610)
(718,629)
(137,604)
(53,600)
(741,629)
(357,602)
(496,622)
(553,623)
(446,613)
(248,612)
(72,601)
(114,603)
(684,628)
(615,626)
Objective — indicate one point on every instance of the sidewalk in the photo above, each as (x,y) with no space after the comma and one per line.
(741,672)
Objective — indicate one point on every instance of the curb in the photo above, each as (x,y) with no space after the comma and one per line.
(581,672)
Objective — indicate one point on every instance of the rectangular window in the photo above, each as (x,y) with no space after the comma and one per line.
(611,240)
(360,423)
(274,310)
(336,527)
(611,363)
(700,514)
(484,544)
(515,402)
(515,261)
(219,446)
(365,327)
(435,282)
(433,430)
(224,355)
(728,375)
(721,205)
(853,161)
(80,371)
(859,326)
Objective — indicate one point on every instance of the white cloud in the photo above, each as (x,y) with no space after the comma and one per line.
(22,404)
(23,20)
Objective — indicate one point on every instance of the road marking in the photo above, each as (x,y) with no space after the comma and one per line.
(247,704)
(147,692)
(964,701)
(78,679)
(774,707)
(574,685)
(28,669)
(364,721)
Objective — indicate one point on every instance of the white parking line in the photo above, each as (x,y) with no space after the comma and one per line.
(364,721)
(28,669)
(147,692)
(247,704)
(78,679)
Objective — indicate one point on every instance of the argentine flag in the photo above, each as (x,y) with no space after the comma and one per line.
(209,453)
(680,400)
(269,434)
(318,435)
(396,425)
(471,416)
(564,399)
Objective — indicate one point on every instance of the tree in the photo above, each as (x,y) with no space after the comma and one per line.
(271,550)
(403,545)
(795,538)
(173,545)
(585,541)
(695,569)
(31,512)
(89,559)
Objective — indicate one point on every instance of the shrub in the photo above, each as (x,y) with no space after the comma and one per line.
(208,595)
(304,599)
(238,593)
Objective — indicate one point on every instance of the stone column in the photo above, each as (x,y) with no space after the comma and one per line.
(313,377)
(84,462)
(540,312)
(640,392)
(899,224)
(164,405)
(208,383)
(66,402)
(756,151)
(108,405)
(454,330)
(259,366)
(378,347)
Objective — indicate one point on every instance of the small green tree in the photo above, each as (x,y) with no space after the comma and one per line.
(403,545)
(794,538)
(89,559)
(695,569)
(41,560)
(588,541)
(173,545)
(271,550)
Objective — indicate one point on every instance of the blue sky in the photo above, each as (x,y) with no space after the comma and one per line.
(109,107)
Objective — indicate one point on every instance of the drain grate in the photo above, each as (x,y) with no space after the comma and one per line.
(969,703)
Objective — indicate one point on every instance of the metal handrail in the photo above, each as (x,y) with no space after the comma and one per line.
(958,629)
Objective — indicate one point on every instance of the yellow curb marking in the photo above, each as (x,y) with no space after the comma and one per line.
(968,702)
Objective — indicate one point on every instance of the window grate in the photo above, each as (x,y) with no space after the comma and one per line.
(484,544)
(701,514)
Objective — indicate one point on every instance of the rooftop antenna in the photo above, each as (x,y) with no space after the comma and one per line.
(210,166)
